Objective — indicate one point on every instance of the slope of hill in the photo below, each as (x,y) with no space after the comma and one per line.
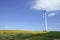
(28,35)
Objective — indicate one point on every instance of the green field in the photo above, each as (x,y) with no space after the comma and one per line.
(28,35)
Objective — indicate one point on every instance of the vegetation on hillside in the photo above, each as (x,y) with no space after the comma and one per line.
(24,35)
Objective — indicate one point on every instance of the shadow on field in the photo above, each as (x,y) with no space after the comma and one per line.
(30,36)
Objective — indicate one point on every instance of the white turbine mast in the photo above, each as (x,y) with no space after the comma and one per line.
(45,19)
(5,26)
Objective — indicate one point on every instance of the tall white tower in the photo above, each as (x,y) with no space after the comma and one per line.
(5,26)
(45,19)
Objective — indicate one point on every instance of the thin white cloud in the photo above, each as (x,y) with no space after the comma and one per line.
(51,14)
(49,5)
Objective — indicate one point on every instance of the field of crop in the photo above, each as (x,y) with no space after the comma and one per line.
(28,35)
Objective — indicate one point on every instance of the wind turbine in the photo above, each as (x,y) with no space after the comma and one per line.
(46,6)
(5,26)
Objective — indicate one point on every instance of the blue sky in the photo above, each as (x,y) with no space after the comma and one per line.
(18,15)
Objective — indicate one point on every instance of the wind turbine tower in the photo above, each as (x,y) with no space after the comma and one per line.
(45,19)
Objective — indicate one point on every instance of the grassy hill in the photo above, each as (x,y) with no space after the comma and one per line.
(18,31)
(28,35)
